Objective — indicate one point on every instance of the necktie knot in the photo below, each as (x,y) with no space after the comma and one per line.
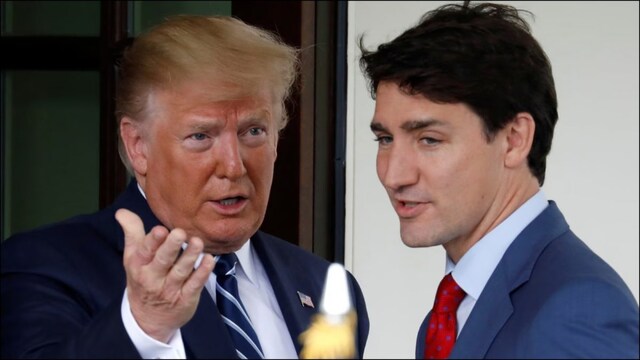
(225,265)
(449,295)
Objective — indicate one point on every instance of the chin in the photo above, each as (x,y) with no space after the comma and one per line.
(229,237)
(219,245)
(229,233)
(412,243)
(413,240)
(408,240)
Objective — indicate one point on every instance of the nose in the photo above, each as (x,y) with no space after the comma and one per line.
(229,160)
(397,167)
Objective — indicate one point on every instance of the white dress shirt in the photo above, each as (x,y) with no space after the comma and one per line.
(258,298)
(475,267)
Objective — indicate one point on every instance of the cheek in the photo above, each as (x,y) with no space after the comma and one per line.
(472,178)
(162,152)
(171,168)
(260,168)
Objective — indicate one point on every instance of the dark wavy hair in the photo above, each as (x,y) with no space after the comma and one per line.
(482,55)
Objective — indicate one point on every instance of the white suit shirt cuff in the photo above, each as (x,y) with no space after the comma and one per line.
(148,347)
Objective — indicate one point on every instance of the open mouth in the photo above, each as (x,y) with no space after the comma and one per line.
(231,200)
(408,203)
(409,209)
(230,206)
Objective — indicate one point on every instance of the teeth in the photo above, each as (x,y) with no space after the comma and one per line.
(229,201)
(410,204)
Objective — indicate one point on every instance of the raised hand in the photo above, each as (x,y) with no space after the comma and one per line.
(163,287)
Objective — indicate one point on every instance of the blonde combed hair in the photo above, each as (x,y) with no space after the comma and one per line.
(218,49)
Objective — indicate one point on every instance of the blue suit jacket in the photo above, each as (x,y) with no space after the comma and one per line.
(549,297)
(62,289)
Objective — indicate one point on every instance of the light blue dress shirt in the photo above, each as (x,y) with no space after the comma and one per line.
(475,267)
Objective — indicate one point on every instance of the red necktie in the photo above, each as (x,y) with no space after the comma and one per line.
(441,331)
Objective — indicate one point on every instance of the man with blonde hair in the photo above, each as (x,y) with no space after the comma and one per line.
(176,267)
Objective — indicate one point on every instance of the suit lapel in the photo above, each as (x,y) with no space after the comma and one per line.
(494,306)
(485,321)
(285,286)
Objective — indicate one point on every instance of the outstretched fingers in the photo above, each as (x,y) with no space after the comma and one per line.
(194,284)
(184,265)
(163,287)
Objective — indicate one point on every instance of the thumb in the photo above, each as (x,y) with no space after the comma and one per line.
(131,225)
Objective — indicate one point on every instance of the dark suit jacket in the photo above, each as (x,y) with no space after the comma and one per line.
(62,289)
(549,297)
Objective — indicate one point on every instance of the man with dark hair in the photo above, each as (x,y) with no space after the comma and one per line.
(464,117)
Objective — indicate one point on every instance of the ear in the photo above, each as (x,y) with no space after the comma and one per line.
(134,141)
(275,144)
(519,134)
(275,150)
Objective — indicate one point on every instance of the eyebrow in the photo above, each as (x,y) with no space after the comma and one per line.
(409,126)
(260,114)
(199,125)
(205,123)
(377,127)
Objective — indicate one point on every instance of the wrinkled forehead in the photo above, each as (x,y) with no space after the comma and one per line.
(259,99)
(221,91)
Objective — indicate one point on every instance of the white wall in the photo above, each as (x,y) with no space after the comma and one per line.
(592,169)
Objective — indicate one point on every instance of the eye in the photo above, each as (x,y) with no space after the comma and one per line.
(198,136)
(383,140)
(254,136)
(256,131)
(430,140)
(197,141)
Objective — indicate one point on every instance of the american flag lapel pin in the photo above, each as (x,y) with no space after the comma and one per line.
(305,300)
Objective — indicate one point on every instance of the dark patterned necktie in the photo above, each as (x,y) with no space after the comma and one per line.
(442,330)
(233,312)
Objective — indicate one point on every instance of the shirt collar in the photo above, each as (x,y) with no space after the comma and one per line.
(246,262)
(475,267)
(141,191)
(246,259)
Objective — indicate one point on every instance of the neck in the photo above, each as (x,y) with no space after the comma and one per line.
(506,202)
